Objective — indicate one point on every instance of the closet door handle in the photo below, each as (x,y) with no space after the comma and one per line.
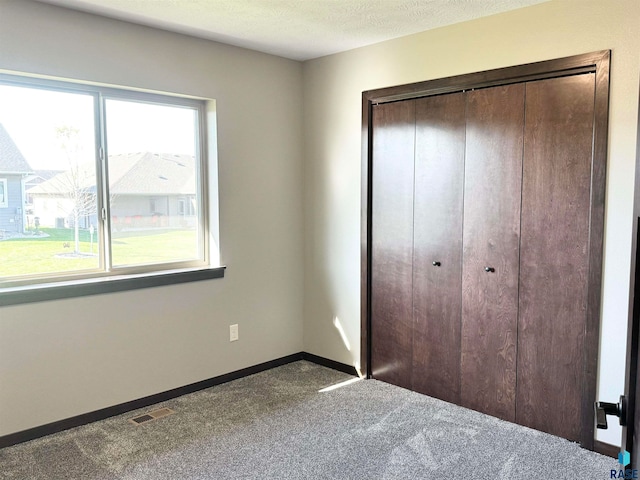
(489,269)
(436,264)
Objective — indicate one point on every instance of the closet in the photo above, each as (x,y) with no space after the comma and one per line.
(484,234)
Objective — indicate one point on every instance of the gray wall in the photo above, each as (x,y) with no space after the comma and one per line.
(63,358)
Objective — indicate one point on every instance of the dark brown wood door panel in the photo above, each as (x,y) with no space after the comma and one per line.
(392,242)
(437,257)
(491,237)
(554,259)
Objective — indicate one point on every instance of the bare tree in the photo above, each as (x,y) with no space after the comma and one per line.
(78,182)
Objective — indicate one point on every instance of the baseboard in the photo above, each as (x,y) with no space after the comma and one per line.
(325,362)
(59,426)
(606,449)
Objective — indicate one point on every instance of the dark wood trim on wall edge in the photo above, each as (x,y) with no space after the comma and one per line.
(559,67)
(326,362)
(105,284)
(597,62)
(85,418)
(596,246)
(365,238)
(607,449)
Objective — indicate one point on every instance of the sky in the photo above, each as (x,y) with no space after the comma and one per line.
(32,117)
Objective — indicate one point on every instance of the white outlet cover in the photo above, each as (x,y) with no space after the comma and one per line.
(233,332)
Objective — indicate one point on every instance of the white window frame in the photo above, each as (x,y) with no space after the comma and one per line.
(4,201)
(33,288)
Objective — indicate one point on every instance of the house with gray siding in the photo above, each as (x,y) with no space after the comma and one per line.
(147,190)
(13,171)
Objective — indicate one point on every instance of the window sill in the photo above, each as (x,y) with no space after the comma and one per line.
(110,284)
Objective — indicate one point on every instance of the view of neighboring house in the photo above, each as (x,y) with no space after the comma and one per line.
(36,178)
(14,169)
(147,190)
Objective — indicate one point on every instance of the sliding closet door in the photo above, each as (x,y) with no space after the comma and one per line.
(392,242)
(493,175)
(437,257)
(555,253)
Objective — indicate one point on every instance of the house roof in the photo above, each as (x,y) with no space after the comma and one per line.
(39,176)
(11,159)
(144,173)
(152,174)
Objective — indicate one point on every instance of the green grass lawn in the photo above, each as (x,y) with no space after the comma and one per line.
(40,255)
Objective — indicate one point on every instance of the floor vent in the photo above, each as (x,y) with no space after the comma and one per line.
(154,415)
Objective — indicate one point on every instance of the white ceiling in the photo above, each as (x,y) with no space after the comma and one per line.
(296,29)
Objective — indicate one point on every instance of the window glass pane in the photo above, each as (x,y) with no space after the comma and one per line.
(3,188)
(48,165)
(153,184)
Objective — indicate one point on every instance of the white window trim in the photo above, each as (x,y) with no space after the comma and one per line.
(4,202)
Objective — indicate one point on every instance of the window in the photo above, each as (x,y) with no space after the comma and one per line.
(114,183)
(4,200)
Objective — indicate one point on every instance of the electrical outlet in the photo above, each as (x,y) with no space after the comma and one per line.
(233,332)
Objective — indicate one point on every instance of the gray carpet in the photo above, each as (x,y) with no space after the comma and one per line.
(277,425)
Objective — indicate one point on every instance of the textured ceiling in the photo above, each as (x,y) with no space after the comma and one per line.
(297,29)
